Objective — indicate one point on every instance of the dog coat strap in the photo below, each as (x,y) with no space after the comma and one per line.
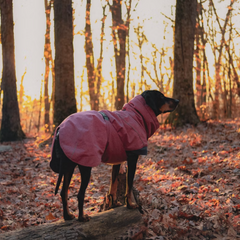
(105,117)
(142,151)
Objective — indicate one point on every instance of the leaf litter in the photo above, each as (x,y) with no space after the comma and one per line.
(189,184)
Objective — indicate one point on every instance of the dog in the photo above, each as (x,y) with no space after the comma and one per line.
(88,138)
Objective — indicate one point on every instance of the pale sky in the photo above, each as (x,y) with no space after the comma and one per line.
(29,30)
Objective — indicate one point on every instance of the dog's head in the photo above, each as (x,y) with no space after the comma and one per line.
(158,102)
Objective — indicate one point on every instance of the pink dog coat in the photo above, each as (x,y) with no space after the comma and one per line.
(88,139)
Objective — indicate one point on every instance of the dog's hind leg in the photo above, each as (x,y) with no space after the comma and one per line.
(85,177)
(132,164)
(112,196)
(68,172)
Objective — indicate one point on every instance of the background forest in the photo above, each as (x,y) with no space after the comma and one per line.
(115,51)
(63,56)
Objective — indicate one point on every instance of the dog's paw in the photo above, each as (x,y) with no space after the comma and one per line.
(130,204)
(69,216)
(84,218)
(111,202)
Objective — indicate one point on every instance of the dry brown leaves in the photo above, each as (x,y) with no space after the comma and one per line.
(189,184)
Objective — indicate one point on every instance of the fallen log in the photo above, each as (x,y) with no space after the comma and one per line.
(111,225)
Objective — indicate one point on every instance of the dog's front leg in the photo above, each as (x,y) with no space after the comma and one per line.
(132,164)
(85,177)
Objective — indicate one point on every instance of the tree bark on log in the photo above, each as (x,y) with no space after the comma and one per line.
(111,224)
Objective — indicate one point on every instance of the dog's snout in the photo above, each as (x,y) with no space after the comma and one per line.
(172,103)
(175,103)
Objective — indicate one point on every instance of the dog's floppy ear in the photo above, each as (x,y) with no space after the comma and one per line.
(154,99)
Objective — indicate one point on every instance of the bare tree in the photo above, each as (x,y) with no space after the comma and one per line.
(202,71)
(11,129)
(141,39)
(218,52)
(21,90)
(198,59)
(128,55)
(100,59)
(65,102)
(90,59)
(158,80)
(185,22)
(94,76)
(119,34)
(48,58)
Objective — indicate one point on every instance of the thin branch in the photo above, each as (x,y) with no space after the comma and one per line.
(172,20)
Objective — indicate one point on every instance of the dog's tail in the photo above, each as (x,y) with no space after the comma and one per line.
(59,155)
(61,173)
(59,181)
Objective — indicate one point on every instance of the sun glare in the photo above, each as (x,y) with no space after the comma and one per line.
(29,30)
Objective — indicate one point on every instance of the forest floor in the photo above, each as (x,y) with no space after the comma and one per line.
(189,184)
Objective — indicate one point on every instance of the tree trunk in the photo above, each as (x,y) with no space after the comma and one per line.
(204,84)
(40,108)
(119,33)
(229,112)
(112,224)
(47,53)
(94,101)
(218,64)
(99,65)
(185,113)
(231,69)
(202,64)
(65,102)
(11,129)
(204,57)
(198,66)
(129,62)
(141,39)
(53,85)
(21,91)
